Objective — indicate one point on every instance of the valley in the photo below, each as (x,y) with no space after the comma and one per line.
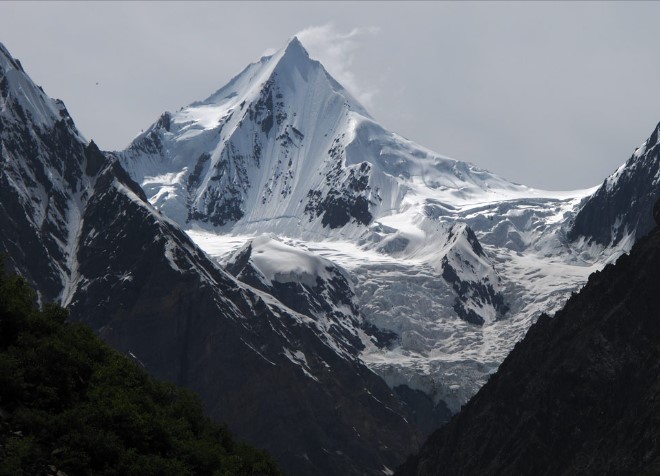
(332,291)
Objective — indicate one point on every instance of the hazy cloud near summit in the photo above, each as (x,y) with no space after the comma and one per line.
(336,51)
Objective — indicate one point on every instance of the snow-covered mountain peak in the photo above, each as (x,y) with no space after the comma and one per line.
(291,67)
(292,55)
(22,99)
(284,146)
(6,59)
(295,47)
(259,148)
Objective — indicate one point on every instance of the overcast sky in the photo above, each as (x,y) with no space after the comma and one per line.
(552,95)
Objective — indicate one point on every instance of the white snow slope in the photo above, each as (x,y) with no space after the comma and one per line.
(284,149)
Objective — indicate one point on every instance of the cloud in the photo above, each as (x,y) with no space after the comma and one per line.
(336,51)
(269,52)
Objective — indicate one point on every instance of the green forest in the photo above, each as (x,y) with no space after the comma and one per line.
(71,405)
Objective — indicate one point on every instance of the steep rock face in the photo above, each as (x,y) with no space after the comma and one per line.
(620,210)
(76,225)
(577,396)
(43,181)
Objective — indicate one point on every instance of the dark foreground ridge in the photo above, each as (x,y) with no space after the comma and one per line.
(70,404)
(580,394)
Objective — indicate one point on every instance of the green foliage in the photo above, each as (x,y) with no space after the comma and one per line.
(69,403)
